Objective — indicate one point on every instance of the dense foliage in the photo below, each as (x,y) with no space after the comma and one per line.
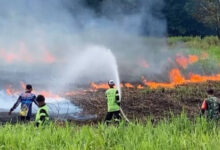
(179,14)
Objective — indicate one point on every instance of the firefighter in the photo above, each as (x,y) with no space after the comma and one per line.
(211,106)
(26,99)
(42,116)
(113,103)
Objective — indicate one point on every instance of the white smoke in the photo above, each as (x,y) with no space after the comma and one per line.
(57,107)
(41,39)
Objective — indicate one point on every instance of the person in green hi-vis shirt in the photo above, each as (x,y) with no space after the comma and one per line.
(42,116)
(113,103)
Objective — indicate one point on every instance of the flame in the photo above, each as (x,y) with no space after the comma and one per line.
(176,77)
(129,85)
(9,90)
(196,78)
(99,86)
(49,94)
(193,59)
(140,86)
(184,61)
(23,55)
(23,85)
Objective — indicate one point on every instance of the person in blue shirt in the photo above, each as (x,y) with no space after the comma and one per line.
(25,99)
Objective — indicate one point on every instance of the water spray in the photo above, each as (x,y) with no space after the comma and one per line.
(104,67)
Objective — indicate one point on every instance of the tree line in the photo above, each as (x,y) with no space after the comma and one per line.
(184,17)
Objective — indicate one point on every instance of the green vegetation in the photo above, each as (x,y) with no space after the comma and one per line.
(178,133)
(198,45)
(207,49)
(184,17)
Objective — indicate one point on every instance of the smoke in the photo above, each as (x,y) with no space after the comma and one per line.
(41,40)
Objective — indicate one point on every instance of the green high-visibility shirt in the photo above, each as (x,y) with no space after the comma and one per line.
(42,116)
(111,100)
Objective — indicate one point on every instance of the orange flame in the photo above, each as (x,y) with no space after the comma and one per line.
(129,85)
(48,94)
(140,86)
(99,86)
(23,85)
(176,77)
(193,59)
(23,55)
(184,61)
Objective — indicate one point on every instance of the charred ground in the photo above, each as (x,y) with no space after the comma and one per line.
(158,103)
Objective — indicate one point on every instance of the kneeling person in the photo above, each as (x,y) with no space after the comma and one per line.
(211,105)
(42,116)
(113,103)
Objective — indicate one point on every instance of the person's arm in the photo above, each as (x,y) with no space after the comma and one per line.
(35,101)
(204,107)
(15,105)
(43,115)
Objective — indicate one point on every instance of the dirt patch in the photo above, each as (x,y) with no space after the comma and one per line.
(159,103)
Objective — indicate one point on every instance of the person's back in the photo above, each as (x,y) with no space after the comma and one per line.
(111,100)
(42,116)
(113,103)
(212,106)
(25,99)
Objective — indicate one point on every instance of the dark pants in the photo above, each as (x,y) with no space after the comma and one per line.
(25,119)
(116,115)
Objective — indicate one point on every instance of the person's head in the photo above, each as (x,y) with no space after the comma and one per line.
(40,100)
(28,88)
(210,91)
(111,83)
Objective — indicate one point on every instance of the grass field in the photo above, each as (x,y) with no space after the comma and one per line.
(177,133)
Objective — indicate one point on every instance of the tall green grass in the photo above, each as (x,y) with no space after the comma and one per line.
(195,42)
(177,133)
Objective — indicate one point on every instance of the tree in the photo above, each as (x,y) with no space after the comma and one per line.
(206,11)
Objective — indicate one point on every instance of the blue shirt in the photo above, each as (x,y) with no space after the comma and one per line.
(26,99)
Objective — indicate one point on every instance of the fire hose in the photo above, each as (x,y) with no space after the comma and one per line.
(124,116)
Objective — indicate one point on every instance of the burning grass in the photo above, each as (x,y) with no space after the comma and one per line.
(139,103)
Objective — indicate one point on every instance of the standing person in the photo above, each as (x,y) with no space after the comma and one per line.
(211,106)
(42,116)
(113,103)
(26,99)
